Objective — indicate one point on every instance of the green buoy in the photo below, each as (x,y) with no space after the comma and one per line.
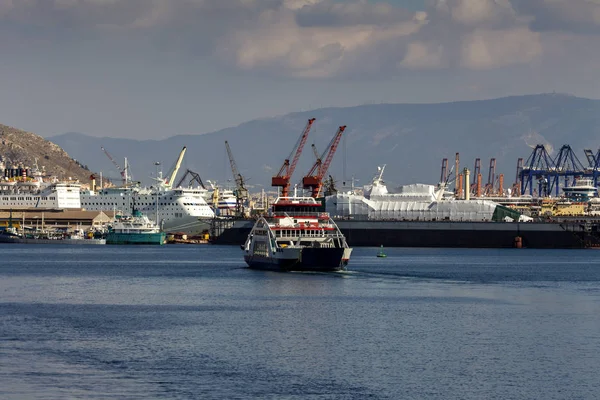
(381,253)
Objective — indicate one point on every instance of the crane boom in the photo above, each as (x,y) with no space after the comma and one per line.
(241,193)
(169,181)
(282,179)
(314,179)
(122,171)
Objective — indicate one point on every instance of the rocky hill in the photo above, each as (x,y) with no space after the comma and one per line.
(23,148)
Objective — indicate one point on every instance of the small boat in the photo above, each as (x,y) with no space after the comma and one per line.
(10,234)
(296,236)
(381,253)
(136,228)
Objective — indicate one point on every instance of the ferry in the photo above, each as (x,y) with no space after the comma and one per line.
(31,192)
(296,236)
(134,229)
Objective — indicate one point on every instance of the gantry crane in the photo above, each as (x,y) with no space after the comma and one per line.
(123,171)
(444,171)
(241,193)
(475,187)
(282,179)
(488,190)
(314,179)
(516,187)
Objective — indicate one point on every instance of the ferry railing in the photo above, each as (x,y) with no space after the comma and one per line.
(301,214)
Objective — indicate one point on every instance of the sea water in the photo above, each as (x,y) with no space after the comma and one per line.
(185,321)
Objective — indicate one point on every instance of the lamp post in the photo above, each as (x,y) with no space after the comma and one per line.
(157,163)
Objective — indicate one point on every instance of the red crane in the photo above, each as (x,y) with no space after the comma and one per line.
(282,179)
(314,179)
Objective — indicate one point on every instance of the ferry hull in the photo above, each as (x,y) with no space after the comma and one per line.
(309,259)
(136,238)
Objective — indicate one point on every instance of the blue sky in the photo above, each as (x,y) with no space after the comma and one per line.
(158,68)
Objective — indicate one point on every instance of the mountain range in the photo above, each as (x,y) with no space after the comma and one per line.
(411,139)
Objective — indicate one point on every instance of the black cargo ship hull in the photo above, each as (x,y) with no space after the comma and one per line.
(310,259)
(566,235)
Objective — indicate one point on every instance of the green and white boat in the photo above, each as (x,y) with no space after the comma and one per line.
(134,229)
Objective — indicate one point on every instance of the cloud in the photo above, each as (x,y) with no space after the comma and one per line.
(497,48)
(575,16)
(279,42)
(321,38)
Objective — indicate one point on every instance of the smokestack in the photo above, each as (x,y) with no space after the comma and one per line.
(467,189)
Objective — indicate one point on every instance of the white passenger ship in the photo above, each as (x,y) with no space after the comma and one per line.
(176,209)
(35,193)
(179,209)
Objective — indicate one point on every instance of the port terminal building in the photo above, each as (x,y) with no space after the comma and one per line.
(56,219)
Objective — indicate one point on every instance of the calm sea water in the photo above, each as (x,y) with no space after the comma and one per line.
(108,322)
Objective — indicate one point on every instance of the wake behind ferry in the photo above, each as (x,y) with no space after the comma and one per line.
(296,237)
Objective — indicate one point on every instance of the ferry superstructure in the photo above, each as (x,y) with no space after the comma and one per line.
(34,192)
(136,228)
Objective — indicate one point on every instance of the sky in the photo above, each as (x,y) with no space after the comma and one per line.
(151,69)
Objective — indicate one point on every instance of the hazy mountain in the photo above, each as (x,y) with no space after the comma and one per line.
(411,139)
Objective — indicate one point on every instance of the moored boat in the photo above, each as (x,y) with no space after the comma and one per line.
(136,228)
(12,235)
(296,237)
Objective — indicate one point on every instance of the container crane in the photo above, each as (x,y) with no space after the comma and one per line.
(541,167)
(458,182)
(123,171)
(591,157)
(282,179)
(489,186)
(516,187)
(444,171)
(314,179)
(568,167)
(475,187)
(241,193)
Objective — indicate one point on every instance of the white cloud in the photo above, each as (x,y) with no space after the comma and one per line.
(279,42)
(483,49)
(423,55)
(325,38)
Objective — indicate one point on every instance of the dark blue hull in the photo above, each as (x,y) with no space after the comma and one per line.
(311,259)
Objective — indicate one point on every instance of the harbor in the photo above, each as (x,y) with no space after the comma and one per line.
(552,203)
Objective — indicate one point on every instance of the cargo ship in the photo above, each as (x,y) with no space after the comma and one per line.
(419,215)
(358,233)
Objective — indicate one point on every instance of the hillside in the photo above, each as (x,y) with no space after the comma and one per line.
(411,139)
(24,148)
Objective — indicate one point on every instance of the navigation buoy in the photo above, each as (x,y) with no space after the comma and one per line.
(518,242)
(381,253)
